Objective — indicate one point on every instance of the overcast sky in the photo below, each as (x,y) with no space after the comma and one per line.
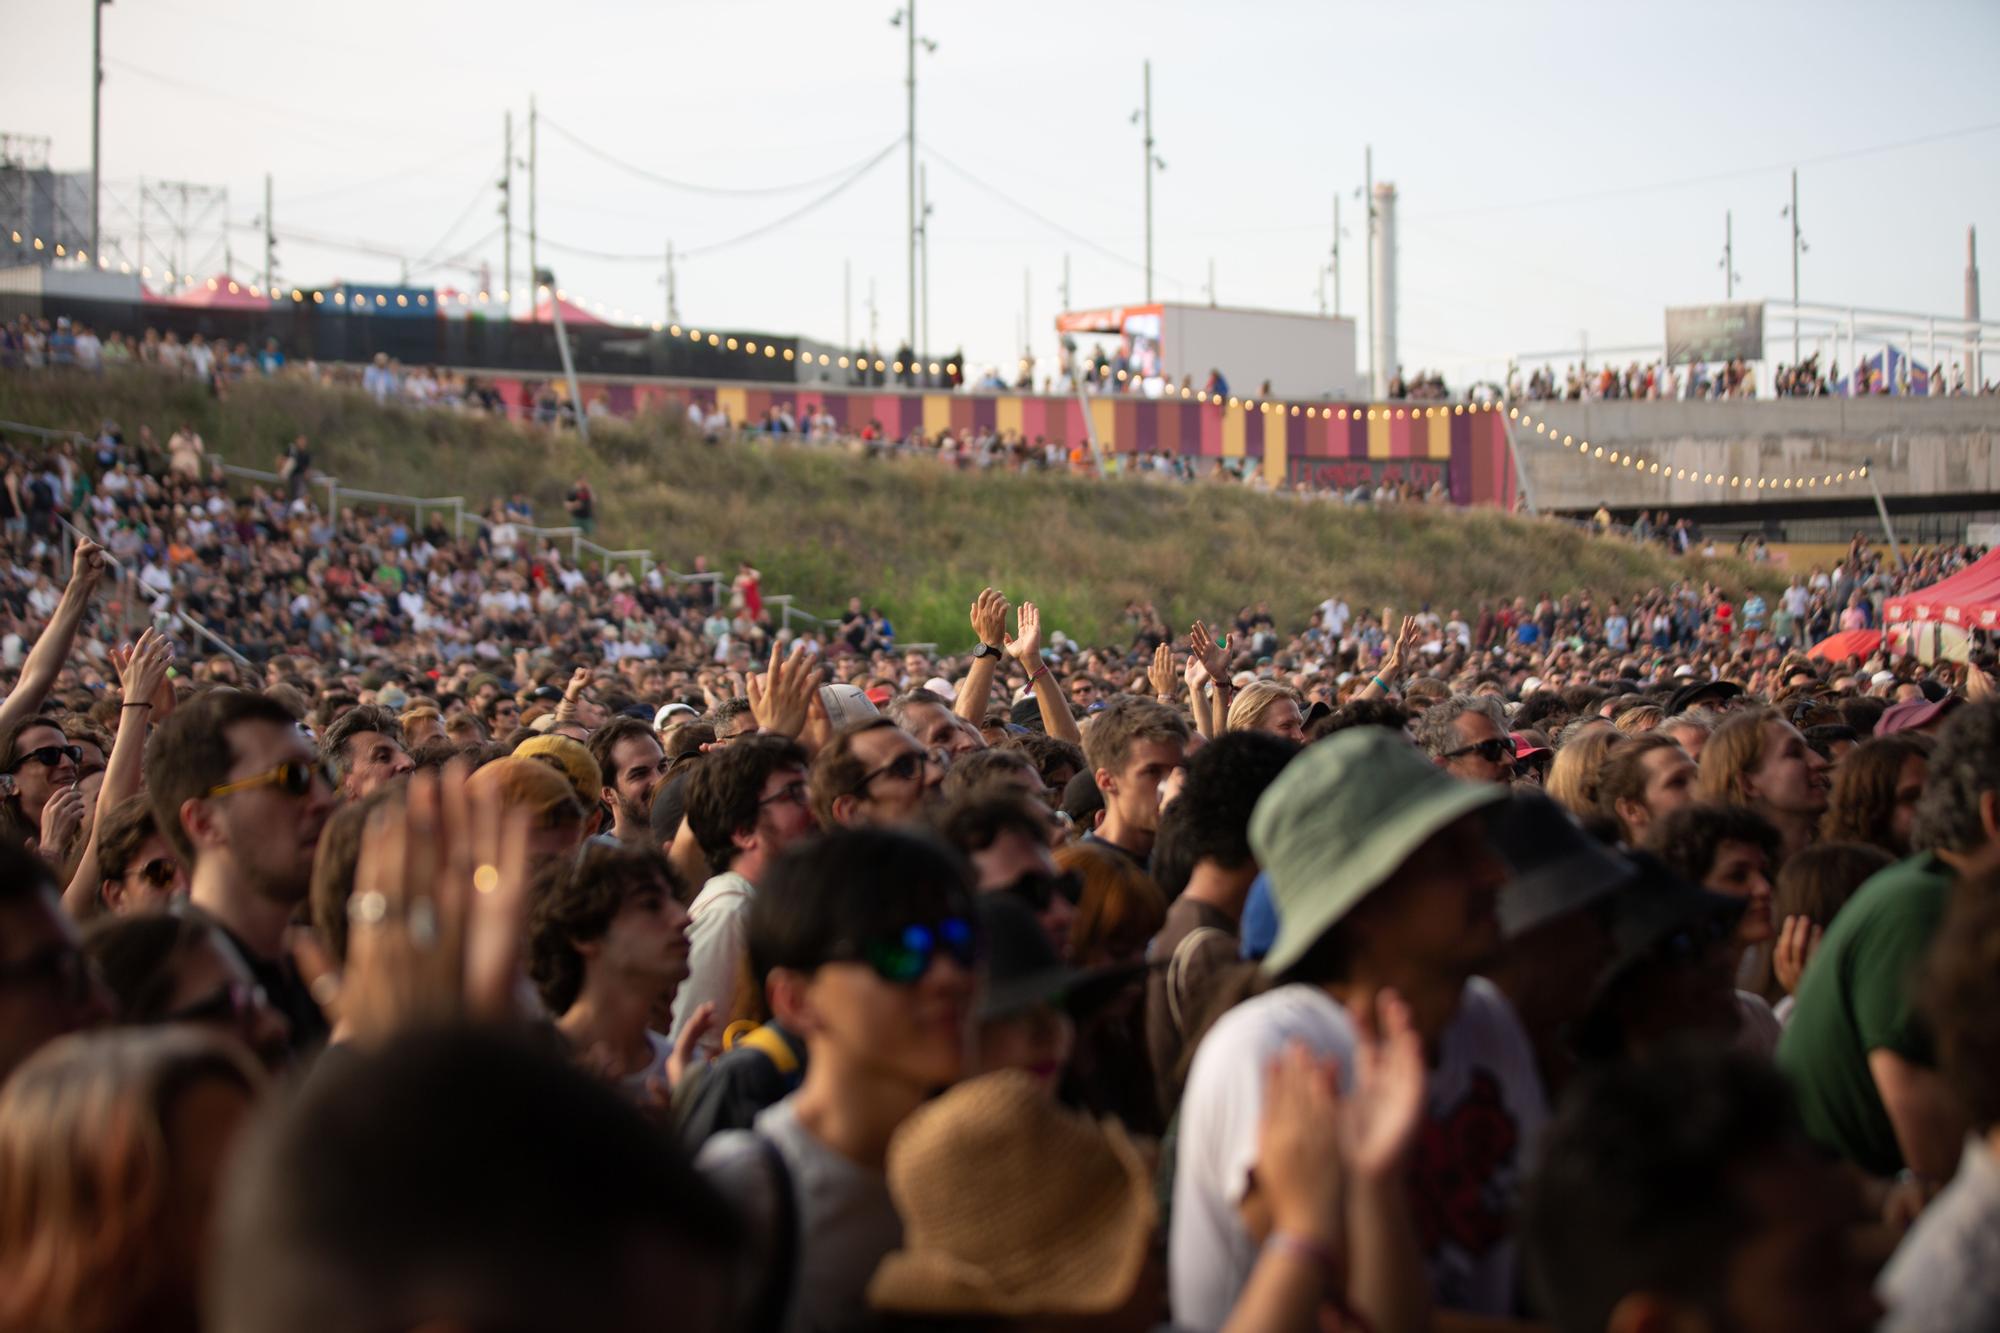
(1563,169)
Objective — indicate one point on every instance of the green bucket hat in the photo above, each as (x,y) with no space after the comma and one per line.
(1338,822)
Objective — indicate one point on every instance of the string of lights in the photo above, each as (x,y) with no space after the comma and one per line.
(1584,449)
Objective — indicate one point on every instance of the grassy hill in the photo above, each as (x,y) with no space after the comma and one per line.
(916,538)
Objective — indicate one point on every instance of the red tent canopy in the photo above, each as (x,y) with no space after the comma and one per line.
(1848,643)
(572,313)
(218,293)
(1970,598)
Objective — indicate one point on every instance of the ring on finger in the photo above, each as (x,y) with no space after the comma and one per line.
(422,923)
(368,908)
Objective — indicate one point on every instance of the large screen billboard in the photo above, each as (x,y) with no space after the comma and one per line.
(1715,332)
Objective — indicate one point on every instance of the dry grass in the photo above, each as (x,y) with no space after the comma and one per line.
(908,534)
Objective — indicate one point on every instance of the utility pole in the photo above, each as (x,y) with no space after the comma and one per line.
(1798,246)
(1729,256)
(673,305)
(96,115)
(507,206)
(534,263)
(1027,307)
(1148,111)
(874,318)
(1065,282)
(1336,254)
(922,347)
(1211,283)
(1368,202)
(270,238)
(910,143)
(847,305)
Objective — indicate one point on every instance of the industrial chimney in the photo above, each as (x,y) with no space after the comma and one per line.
(1384,260)
(1972,367)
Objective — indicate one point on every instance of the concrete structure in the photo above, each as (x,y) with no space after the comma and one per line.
(1305,357)
(1928,450)
(1382,335)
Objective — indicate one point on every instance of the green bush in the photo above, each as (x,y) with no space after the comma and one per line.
(907,534)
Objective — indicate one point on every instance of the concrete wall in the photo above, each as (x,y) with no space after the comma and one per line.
(1916,447)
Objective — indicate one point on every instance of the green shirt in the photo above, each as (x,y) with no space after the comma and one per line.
(1859,996)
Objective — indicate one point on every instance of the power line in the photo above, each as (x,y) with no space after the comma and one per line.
(314,196)
(653,256)
(1057,227)
(673,184)
(478,198)
(1618,191)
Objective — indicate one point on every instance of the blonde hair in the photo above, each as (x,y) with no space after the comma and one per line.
(1735,749)
(1247,709)
(86,1177)
(1578,769)
(1638,720)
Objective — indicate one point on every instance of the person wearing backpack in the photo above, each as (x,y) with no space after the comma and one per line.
(873,955)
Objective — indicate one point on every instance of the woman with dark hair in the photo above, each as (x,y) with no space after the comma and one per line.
(1875,792)
(177,967)
(112,1146)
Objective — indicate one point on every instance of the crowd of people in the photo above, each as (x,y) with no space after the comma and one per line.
(1736,378)
(484,942)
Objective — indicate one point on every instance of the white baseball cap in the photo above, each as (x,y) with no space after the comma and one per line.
(668,712)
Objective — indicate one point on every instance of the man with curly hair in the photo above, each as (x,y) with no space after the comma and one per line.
(607,947)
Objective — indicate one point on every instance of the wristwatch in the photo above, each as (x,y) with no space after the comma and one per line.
(987,650)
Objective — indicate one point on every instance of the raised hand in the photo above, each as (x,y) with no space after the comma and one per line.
(1380,1117)
(1299,1167)
(687,1047)
(142,671)
(87,565)
(1798,941)
(438,912)
(989,617)
(1161,673)
(62,816)
(781,698)
(1026,645)
(1399,651)
(1195,673)
(1214,656)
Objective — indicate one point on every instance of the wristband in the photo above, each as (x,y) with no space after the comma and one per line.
(1383,683)
(1312,1251)
(140,704)
(1038,673)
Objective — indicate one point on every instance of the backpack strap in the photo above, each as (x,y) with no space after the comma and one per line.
(774,1046)
(1177,966)
(775,1298)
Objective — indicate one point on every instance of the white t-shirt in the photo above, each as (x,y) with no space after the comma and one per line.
(715,953)
(1486,1110)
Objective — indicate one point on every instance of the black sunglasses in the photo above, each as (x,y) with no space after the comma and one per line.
(904,957)
(48,756)
(231,1003)
(904,767)
(160,871)
(1038,889)
(1492,751)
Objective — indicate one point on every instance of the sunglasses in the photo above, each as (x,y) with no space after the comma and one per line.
(232,1003)
(294,777)
(160,871)
(902,958)
(1038,889)
(1492,751)
(48,756)
(794,793)
(907,766)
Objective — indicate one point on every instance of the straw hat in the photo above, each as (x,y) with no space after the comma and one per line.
(1012,1205)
